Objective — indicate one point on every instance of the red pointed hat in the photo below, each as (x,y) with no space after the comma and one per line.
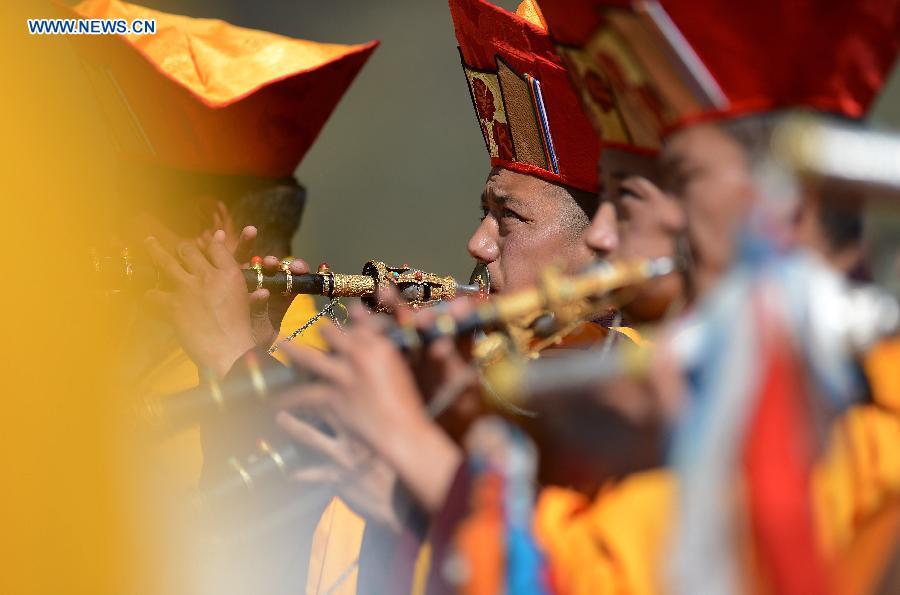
(204,95)
(647,67)
(529,113)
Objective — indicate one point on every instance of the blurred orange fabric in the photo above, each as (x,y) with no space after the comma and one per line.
(205,95)
(217,61)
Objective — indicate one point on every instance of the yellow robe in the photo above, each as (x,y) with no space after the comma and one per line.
(338,536)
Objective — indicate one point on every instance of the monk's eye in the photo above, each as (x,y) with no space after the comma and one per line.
(509,213)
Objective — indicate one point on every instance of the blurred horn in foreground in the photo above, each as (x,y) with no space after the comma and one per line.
(568,298)
(868,314)
(519,380)
(255,378)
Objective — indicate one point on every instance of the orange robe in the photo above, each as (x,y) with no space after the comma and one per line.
(612,545)
(857,484)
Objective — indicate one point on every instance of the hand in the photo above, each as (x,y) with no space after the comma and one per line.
(366,385)
(207,301)
(444,372)
(364,480)
(267,310)
(242,248)
(365,380)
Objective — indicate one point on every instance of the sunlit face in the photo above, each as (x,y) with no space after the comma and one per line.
(636,220)
(708,172)
(528,224)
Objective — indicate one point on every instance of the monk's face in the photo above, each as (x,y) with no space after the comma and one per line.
(528,224)
(637,220)
(708,173)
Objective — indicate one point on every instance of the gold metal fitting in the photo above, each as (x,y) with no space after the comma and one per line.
(352,285)
(288,278)
(259,275)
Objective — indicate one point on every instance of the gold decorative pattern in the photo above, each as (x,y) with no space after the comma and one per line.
(352,285)
(327,284)
(489,106)
(448,288)
(259,275)
(288,277)
(430,288)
